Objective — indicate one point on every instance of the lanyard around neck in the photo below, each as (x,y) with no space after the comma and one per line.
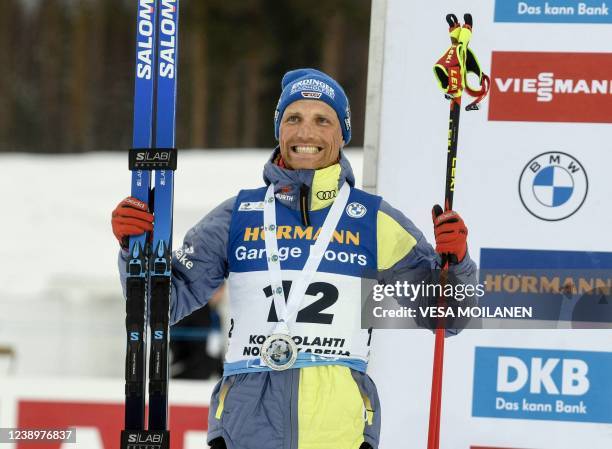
(285,312)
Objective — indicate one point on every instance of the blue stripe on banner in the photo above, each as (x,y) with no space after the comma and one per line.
(503,258)
(552,11)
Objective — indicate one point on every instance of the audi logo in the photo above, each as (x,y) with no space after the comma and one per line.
(326,194)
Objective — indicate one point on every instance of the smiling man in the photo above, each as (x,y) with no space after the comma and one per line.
(295,253)
(311,136)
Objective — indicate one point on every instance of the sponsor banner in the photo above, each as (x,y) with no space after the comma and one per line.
(551,87)
(542,384)
(553,186)
(558,286)
(553,11)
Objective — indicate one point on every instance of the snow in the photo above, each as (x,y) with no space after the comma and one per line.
(59,283)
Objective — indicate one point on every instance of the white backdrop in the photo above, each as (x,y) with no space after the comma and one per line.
(406,143)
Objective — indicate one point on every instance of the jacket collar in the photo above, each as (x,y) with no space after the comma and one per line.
(321,185)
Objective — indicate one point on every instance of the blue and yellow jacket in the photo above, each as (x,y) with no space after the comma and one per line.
(327,400)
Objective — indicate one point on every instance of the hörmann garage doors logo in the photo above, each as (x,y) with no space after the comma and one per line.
(543,384)
(563,288)
(551,87)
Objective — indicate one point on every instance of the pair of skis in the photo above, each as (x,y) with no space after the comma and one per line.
(148,268)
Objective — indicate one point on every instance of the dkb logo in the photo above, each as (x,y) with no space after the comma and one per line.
(542,384)
(514,375)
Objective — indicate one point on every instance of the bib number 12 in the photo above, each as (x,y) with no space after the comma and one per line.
(327,296)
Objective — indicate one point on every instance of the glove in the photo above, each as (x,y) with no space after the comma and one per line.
(131,217)
(451,234)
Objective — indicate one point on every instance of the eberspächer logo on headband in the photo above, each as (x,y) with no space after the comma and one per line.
(553,186)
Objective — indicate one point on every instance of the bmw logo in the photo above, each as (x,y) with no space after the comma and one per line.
(553,186)
(356,210)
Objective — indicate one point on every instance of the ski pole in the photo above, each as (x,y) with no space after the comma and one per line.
(435,406)
(451,71)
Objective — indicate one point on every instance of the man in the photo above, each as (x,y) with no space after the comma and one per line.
(283,292)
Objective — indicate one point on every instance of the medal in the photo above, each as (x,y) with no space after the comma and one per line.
(279,352)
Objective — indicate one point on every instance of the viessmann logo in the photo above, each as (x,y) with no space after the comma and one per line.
(551,87)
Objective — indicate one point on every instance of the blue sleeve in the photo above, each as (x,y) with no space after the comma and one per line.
(199,266)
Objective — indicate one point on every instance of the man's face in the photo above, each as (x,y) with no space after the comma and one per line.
(310,135)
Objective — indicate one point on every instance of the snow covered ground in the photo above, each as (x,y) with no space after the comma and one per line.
(60,300)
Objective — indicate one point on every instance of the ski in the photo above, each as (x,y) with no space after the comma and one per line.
(167,52)
(137,266)
(149,265)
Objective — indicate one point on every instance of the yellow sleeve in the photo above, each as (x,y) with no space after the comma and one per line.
(394,242)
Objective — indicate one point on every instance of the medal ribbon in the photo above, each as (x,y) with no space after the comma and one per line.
(286,312)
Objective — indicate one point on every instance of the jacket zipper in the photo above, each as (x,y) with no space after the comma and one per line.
(304,192)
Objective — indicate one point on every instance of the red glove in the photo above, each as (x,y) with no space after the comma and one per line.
(131,217)
(451,234)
